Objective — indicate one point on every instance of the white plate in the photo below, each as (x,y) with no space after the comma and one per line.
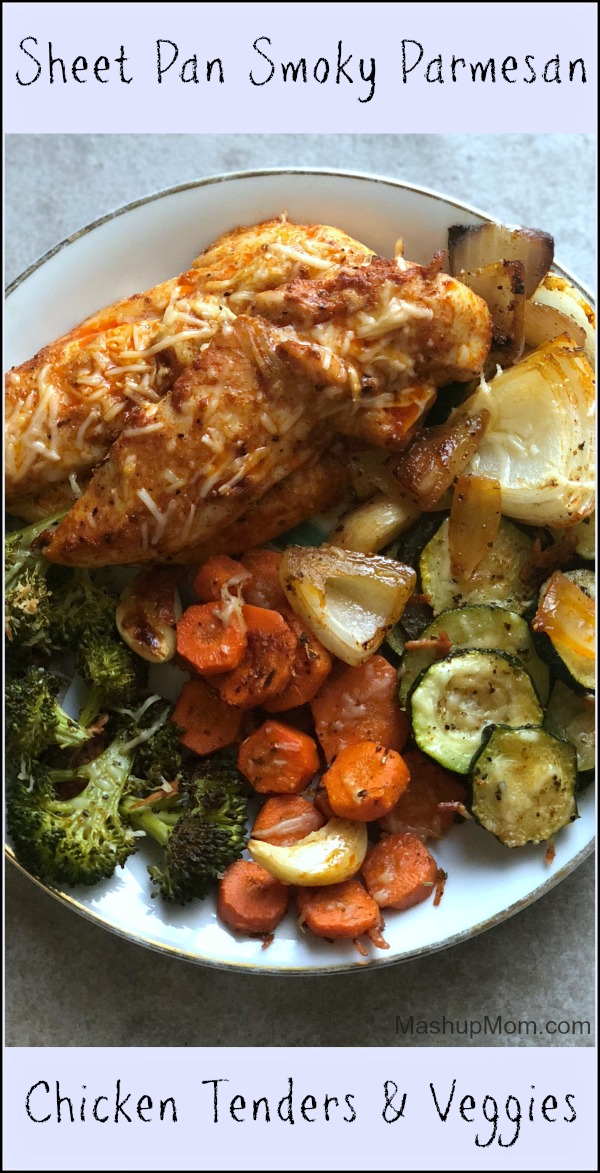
(131,250)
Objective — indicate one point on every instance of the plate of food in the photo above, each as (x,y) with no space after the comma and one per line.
(299,571)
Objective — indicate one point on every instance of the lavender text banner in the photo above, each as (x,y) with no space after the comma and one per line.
(299,67)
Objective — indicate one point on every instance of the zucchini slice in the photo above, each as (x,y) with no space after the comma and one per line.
(572,717)
(478,627)
(496,579)
(523,784)
(455,699)
(577,671)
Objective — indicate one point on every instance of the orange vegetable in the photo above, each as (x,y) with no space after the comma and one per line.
(474,523)
(360,704)
(339,910)
(399,871)
(419,809)
(206,642)
(365,781)
(310,668)
(218,572)
(568,616)
(250,900)
(266,665)
(264,588)
(277,759)
(286,819)
(207,722)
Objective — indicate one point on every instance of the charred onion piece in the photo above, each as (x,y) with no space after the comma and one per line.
(439,455)
(474,523)
(544,322)
(349,600)
(473,246)
(375,524)
(147,613)
(567,615)
(502,286)
(558,294)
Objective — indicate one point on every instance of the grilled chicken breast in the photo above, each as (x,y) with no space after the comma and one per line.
(362,355)
(66,406)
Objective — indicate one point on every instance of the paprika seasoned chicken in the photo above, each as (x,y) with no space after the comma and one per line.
(358,352)
(66,406)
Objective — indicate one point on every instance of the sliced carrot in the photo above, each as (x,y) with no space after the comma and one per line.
(339,910)
(310,669)
(207,722)
(399,871)
(419,808)
(360,704)
(321,801)
(208,642)
(365,781)
(277,759)
(264,588)
(266,665)
(218,572)
(286,819)
(250,900)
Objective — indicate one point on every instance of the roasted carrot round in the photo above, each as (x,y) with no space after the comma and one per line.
(207,722)
(359,704)
(218,572)
(286,819)
(310,668)
(321,801)
(208,642)
(277,759)
(340,910)
(264,588)
(266,665)
(418,809)
(250,900)
(399,871)
(365,781)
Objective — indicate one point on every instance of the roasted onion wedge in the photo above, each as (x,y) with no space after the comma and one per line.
(540,441)
(439,455)
(558,294)
(328,856)
(502,287)
(474,523)
(147,613)
(350,600)
(473,246)
(373,525)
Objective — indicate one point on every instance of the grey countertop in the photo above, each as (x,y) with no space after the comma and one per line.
(69,982)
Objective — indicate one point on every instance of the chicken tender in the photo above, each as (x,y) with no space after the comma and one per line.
(67,405)
(227,433)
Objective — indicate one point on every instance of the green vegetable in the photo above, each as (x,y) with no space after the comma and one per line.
(477,627)
(83,620)
(34,719)
(79,840)
(28,601)
(201,829)
(523,784)
(455,699)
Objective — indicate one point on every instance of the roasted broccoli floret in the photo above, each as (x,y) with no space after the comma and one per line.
(77,840)
(28,601)
(201,827)
(83,620)
(159,759)
(34,719)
